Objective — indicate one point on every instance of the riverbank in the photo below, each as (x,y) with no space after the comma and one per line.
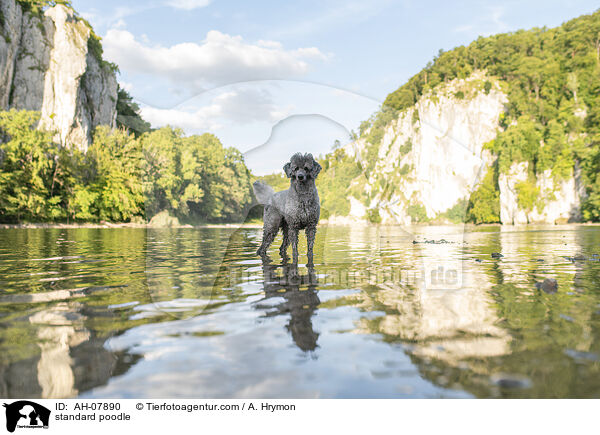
(124,225)
(258,224)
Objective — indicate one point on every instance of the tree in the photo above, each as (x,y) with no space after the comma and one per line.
(128,114)
(194,177)
(484,203)
(30,165)
(109,186)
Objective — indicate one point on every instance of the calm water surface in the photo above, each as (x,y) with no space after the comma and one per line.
(194,313)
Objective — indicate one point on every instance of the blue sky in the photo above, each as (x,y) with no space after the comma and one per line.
(272,78)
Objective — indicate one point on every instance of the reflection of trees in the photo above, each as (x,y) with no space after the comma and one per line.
(555,335)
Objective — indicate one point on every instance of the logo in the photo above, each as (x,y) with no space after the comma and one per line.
(26,414)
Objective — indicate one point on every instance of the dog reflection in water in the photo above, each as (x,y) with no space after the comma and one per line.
(300,300)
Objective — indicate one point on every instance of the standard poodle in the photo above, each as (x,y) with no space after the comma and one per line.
(292,210)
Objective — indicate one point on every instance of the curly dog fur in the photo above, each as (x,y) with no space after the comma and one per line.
(292,210)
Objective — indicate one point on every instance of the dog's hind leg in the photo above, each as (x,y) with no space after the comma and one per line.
(310,242)
(268,237)
(272,219)
(286,241)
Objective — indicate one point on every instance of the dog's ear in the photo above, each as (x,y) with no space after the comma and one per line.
(287,168)
(315,169)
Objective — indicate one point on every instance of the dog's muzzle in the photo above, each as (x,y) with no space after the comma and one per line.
(301,176)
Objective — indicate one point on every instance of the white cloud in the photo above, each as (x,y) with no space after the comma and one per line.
(341,13)
(126,85)
(120,24)
(489,23)
(218,60)
(202,119)
(464,28)
(496,18)
(241,106)
(114,17)
(187,5)
(248,105)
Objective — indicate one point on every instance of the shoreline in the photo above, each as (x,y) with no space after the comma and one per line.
(122,225)
(259,225)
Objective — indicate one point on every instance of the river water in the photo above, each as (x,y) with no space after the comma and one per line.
(385,312)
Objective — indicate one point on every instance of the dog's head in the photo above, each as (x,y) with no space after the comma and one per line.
(302,167)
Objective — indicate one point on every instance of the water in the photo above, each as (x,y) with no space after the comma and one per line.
(194,313)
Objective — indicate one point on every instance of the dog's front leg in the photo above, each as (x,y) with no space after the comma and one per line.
(310,242)
(293,239)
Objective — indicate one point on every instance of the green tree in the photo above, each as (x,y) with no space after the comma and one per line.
(337,182)
(109,186)
(30,166)
(484,203)
(128,114)
(194,177)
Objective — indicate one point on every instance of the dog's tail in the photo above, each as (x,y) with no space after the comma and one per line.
(262,191)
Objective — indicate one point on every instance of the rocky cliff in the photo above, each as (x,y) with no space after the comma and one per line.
(46,64)
(559,200)
(432,156)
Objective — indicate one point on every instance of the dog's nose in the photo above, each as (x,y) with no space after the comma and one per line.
(301,177)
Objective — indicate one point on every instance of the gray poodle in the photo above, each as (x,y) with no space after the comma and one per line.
(291,210)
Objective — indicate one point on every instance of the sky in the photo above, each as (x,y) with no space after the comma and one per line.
(271,78)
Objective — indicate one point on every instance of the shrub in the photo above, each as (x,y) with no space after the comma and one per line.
(373,216)
(484,204)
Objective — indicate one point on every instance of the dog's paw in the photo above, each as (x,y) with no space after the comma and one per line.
(293,276)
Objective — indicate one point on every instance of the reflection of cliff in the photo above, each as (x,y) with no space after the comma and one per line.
(447,332)
(449,325)
(60,329)
(68,359)
(523,261)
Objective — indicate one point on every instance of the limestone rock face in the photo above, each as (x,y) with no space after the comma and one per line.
(10,38)
(32,62)
(46,66)
(559,200)
(433,153)
(510,213)
(432,157)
